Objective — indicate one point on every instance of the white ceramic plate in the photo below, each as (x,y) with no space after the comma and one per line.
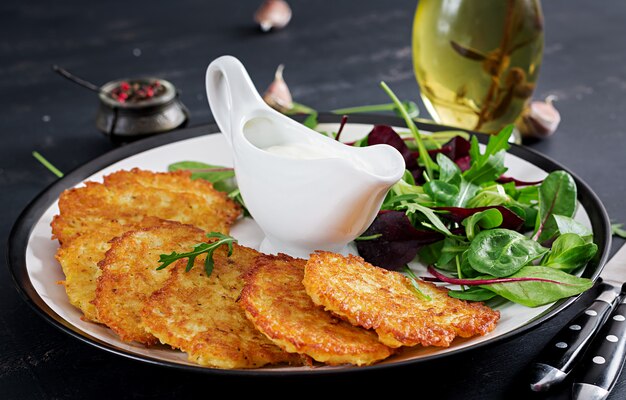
(36,271)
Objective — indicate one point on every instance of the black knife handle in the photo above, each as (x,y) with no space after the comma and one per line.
(561,354)
(604,359)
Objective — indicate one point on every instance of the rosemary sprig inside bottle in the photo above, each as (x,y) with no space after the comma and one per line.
(200,248)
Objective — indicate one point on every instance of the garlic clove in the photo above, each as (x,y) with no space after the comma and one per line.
(539,119)
(277,94)
(273,14)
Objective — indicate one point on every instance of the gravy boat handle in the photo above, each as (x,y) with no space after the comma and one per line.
(231,94)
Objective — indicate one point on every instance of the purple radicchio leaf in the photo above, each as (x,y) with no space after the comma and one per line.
(398,243)
(510,220)
(464,163)
(384,134)
(455,148)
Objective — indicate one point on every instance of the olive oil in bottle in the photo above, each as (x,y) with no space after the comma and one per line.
(477,62)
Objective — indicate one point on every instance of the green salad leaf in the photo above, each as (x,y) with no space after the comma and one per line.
(474,293)
(502,252)
(557,196)
(488,219)
(493,235)
(555,285)
(569,252)
(221,177)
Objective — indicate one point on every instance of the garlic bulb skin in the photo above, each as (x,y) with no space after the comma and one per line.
(539,119)
(278,95)
(273,14)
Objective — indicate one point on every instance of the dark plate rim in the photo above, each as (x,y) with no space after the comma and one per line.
(20,233)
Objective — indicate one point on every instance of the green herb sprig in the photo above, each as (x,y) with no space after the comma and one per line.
(414,281)
(200,248)
(424,157)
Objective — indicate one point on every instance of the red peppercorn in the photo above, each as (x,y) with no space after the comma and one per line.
(124,86)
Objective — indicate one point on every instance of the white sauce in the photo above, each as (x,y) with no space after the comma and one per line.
(302,151)
(314,151)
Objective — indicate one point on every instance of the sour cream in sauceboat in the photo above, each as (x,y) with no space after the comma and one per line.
(301,151)
(311,151)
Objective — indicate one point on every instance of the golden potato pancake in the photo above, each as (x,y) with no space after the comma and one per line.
(79,261)
(274,299)
(125,197)
(129,275)
(178,181)
(387,302)
(199,315)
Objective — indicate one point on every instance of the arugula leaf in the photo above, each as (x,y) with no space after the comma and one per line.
(502,252)
(493,195)
(557,196)
(448,171)
(201,248)
(467,190)
(405,189)
(218,175)
(442,193)
(487,171)
(430,215)
(537,293)
(488,166)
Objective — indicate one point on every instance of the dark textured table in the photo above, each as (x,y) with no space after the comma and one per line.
(335,53)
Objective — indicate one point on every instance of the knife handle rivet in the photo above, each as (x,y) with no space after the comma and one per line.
(561,345)
(591,313)
(598,360)
(612,338)
(576,327)
(619,317)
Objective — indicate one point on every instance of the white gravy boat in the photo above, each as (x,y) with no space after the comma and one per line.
(320,202)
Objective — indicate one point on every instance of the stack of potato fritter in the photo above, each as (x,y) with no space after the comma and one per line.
(254,309)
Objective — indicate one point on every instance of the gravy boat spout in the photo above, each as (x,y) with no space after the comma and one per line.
(305,190)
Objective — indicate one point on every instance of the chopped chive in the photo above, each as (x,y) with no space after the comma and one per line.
(47,164)
(413,278)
